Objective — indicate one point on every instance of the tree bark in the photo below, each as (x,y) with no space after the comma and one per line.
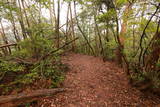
(7,49)
(99,36)
(83,34)
(28,97)
(20,18)
(57,24)
(72,27)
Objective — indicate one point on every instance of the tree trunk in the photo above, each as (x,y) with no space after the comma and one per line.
(57,24)
(72,27)
(154,56)
(7,49)
(99,36)
(20,18)
(83,34)
(123,32)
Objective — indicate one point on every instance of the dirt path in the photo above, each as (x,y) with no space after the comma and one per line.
(95,83)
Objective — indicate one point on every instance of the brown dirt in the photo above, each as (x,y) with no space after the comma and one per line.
(95,83)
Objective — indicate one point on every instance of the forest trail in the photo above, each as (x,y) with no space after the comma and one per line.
(95,83)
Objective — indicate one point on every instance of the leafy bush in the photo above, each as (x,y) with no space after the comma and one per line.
(150,79)
(35,47)
(23,74)
(109,50)
(6,66)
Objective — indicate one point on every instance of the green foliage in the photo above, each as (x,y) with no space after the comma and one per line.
(155,78)
(41,29)
(120,2)
(8,5)
(49,69)
(151,77)
(32,49)
(137,75)
(158,64)
(8,70)
(109,48)
(6,66)
(35,47)
(27,78)
(80,1)
(108,16)
(151,29)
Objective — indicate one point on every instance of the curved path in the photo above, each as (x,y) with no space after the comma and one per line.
(95,83)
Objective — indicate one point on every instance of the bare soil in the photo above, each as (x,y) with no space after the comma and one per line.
(94,83)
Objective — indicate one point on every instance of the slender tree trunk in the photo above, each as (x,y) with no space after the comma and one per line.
(72,27)
(57,24)
(25,13)
(20,18)
(107,32)
(67,23)
(120,43)
(54,13)
(40,13)
(134,41)
(154,56)
(99,35)
(122,34)
(8,49)
(83,34)
(15,31)
(51,12)
(31,13)
(97,51)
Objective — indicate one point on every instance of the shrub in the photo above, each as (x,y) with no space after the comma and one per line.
(32,49)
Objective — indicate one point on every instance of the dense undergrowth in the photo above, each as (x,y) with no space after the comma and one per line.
(24,68)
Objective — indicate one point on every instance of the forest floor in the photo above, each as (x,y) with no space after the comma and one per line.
(94,83)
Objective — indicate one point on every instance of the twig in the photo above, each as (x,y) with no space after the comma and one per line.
(143,34)
(7,45)
(48,54)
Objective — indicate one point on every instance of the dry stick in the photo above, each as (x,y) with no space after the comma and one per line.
(143,34)
(29,96)
(82,31)
(86,43)
(48,54)
(7,45)
(81,45)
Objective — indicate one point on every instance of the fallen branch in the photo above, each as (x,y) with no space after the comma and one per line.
(23,61)
(24,97)
(48,54)
(7,45)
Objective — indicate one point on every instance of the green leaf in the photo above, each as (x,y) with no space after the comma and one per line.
(120,2)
